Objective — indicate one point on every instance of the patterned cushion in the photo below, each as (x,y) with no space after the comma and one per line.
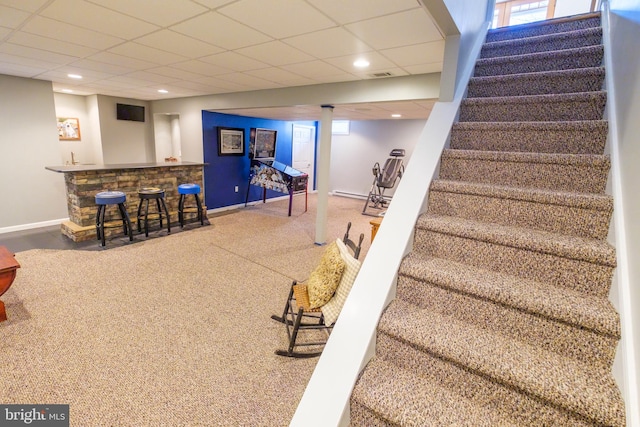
(325,278)
(331,310)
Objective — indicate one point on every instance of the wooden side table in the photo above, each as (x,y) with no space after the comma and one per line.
(8,267)
(375,224)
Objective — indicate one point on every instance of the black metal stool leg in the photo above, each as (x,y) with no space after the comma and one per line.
(138,216)
(166,211)
(146,218)
(199,205)
(159,211)
(98,223)
(181,210)
(102,236)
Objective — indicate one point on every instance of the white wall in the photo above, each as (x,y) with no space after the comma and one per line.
(625,32)
(84,150)
(125,141)
(369,141)
(571,7)
(28,143)
(470,20)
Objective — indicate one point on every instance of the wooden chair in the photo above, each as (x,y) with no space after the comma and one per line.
(298,314)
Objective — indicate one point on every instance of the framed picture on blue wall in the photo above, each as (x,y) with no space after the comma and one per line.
(230,141)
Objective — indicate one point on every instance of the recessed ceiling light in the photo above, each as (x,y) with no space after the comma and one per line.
(74,76)
(396,116)
(361,63)
(163,91)
(67,90)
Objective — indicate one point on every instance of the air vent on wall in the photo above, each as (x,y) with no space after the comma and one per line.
(383,74)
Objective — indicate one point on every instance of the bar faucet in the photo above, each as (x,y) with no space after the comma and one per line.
(73,160)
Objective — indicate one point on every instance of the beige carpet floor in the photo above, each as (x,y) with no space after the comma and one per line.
(170,331)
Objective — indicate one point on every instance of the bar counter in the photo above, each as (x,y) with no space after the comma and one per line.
(83,182)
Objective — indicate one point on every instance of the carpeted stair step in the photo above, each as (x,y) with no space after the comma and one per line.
(533,108)
(578,137)
(540,83)
(584,265)
(568,59)
(569,323)
(400,397)
(582,173)
(550,26)
(575,214)
(566,387)
(544,43)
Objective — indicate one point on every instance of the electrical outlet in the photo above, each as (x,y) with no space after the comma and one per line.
(236,188)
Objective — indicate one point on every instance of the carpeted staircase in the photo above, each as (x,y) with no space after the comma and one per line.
(502,314)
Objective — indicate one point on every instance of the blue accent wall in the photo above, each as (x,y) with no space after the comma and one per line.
(223,173)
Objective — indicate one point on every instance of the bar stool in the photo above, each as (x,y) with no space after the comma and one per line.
(157,194)
(104,199)
(184,190)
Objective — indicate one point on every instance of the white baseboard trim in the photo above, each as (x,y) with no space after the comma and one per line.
(33,225)
(241,205)
(349,194)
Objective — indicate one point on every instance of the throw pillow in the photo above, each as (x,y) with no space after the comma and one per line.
(332,309)
(325,278)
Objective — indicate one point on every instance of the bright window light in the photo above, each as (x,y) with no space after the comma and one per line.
(340,127)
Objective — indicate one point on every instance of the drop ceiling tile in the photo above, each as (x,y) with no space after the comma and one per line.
(162,13)
(115,83)
(26,5)
(175,73)
(132,81)
(45,43)
(179,44)
(97,18)
(314,69)
(285,18)
(281,77)
(416,54)
(151,77)
(329,43)
(110,58)
(61,75)
(4,32)
(20,70)
(82,66)
(234,61)
(377,62)
(214,4)
(214,84)
(12,18)
(345,12)
(399,106)
(275,53)
(36,54)
(146,53)
(247,81)
(434,67)
(201,68)
(56,30)
(220,31)
(400,29)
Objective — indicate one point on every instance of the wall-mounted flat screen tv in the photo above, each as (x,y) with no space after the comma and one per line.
(134,113)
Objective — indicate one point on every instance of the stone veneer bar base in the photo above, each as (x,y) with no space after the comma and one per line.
(83,184)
